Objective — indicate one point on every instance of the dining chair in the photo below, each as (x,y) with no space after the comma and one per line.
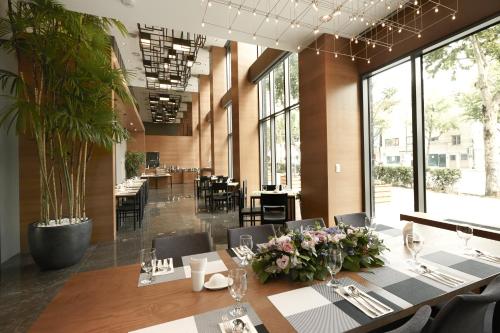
(304,224)
(244,211)
(204,186)
(354,219)
(177,246)
(417,323)
(273,208)
(269,187)
(219,195)
(260,234)
(469,312)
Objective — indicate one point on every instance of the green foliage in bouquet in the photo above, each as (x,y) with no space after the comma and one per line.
(301,255)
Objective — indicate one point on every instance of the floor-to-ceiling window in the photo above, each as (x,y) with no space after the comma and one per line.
(279,125)
(229,110)
(390,114)
(448,162)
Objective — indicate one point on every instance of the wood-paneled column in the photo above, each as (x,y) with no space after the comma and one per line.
(330,132)
(244,96)
(204,122)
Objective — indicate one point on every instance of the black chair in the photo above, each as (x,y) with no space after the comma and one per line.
(354,219)
(204,186)
(177,246)
(129,207)
(246,214)
(219,195)
(268,187)
(469,312)
(304,224)
(416,323)
(273,208)
(260,234)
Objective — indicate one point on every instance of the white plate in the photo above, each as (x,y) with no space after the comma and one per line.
(208,286)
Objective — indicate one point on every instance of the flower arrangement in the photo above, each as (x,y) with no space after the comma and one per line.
(301,255)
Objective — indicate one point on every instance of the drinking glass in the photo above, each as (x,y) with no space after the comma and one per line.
(465,232)
(148,263)
(334,261)
(246,241)
(237,285)
(370,223)
(414,243)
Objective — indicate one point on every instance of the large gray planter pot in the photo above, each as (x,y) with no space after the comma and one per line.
(60,246)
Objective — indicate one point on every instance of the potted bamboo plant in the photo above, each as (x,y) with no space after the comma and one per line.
(62,99)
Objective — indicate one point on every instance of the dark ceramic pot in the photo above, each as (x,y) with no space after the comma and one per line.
(60,246)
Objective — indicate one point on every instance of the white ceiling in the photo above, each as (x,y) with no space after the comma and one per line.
(268,20)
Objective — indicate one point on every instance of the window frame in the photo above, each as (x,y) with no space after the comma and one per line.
(270,118)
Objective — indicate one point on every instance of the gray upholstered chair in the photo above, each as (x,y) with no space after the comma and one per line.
(312,223)
(354,219)
(181,245)
(260,234)
(416,323)
(469,312)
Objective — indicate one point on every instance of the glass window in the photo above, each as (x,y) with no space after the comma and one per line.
(459,146)
(280,139)
(265,97)
(293,62)
(458,108)
(295,147)
(229,111)
(279,125)
(279,88)
(266,152)
(390,116)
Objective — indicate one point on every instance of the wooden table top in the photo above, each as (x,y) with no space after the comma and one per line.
(156,176)
(109,300)
(257,194)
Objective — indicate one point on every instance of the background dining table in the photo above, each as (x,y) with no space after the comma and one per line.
(109,300)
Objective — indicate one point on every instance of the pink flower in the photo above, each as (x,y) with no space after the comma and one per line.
(287,247)
(283,262)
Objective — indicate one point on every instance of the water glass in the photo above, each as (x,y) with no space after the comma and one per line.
(334,261)
(148,263)
(237,285)
(414,243)
(465,232)
(246,241)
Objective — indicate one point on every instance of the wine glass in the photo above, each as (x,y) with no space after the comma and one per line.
(148,263)
(334,261)
(370,223)
(237,285)
(414,243)
(246,244)
(465,232)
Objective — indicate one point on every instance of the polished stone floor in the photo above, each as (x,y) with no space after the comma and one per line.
(25,290)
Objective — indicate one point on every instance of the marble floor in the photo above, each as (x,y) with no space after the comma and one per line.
(25,290)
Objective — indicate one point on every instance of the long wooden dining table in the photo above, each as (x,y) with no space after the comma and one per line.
(109,300)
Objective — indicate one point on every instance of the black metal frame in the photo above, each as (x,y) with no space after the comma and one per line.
(164,111)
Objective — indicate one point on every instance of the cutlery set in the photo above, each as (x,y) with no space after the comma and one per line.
(372,307)
(440,277)
(236,325)
(242,252)
(487,257)
(164,266)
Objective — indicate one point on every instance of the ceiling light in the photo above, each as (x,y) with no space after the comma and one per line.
(453,17)
(418,11)
(399,30)
(145,38)
(315,4)
(164,97)
(203,24)
(210,4)
(153,100)
(316,30)
(352,58)
(336,55)
(355,41)
(336,36)
(254,13)
(152,76)
(172,54)
(436,9)
(419,35)
(164,84)
(415,3)
(254,37)
(229,31)
(239,11)
(298,47)
(190,60)
(373,45)
(390,49)
(325,18)
(277,42)
(267,18)
(175,79)
(181,45)
(368,61)
(317,51)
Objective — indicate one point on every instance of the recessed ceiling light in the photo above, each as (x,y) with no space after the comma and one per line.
(325,18)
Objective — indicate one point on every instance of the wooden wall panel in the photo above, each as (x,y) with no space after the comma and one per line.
(244,95)
(205,125)
(181,151)
(313,135)
(137,142)
(100,205)
(218,114)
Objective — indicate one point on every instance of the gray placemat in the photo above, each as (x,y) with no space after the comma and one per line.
(208,322)
(471,266)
